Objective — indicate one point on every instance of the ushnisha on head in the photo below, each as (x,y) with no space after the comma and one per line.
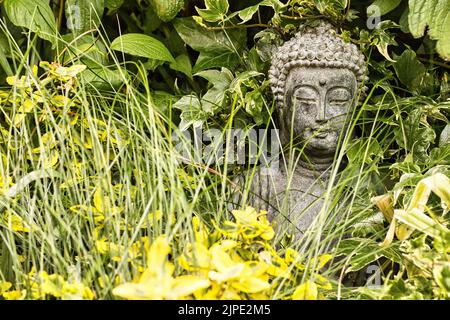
(316,78)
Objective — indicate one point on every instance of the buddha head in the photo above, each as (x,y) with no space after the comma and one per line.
(316,79)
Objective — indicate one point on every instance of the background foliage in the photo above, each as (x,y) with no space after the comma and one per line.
(126,74)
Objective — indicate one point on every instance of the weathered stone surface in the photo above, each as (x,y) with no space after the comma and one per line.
(316,79)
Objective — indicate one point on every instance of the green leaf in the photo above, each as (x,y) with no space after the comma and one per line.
(35,15)
(247,13)
(217,48)
(192,113)
(215,10)
(84,15)
(203,40)
(89,50)
(436,15)
(383,6)
(182,63)
(142,45)
(364,147)
(113,4)
(167,9)
(362,252)
(4,52)
(410,71)
(419,16)
(383,38)
(103,78)
(267,43)
(443,45)
(445,136)
(210,60)
(214,99)
(414,136)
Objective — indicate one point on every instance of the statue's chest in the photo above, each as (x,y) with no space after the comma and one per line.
(298,200)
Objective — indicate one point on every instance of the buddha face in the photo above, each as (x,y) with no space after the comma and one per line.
(316,106)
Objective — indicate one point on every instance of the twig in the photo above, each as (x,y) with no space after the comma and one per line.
(441,64)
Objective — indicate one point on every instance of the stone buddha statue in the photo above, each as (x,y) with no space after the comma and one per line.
(317,80)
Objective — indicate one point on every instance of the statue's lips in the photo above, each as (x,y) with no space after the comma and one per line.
(319,133)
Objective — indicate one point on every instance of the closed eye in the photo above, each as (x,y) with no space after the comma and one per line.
(340,102)
(306,100)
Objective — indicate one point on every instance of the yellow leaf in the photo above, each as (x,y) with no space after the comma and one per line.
(221,260)
(200,232)
(306,291)
(157,257)
(389,235)
(187,285)
(15,295)
(51,160)
(5,286)
(135,291)
(268,234)
(101,202)
(61,101)
(251,285)
(323,260)
(233,272)
(246,216)
(195,256)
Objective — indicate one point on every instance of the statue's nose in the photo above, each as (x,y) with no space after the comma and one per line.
(320,116)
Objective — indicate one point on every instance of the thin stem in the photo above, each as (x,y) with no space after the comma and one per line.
(62,4)
(441,64)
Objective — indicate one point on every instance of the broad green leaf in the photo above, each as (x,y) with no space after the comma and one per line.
(217,48)
(210,60)
(410,71)
(167,9)
(218,78)
(162,100)
(439,15)
(113,4)
(84,15)
(370,149)
(267,43)
(247,13)
(414,136)
(4,52)
(204,40)
(104,78)
(436,15)
(254,104)
(142,45)
(383,38)
(35,15)
(443,45)
(445,136)
(192,113)
(419,16)
(182,63)
(214,99)
(235,86)
(383,6)
(87,49)
(215,10)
